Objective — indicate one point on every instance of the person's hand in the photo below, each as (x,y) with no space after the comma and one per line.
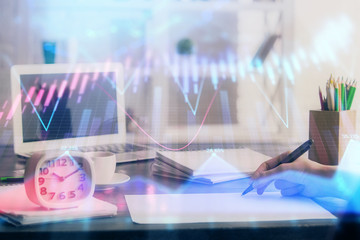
(301,176)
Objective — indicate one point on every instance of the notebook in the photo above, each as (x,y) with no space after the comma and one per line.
(18,210)
(71,107)
(207,166)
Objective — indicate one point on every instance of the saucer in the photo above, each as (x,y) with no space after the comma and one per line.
(118,178)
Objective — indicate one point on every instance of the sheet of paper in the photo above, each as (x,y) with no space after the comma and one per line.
(222,207)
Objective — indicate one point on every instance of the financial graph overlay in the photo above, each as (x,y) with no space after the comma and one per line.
(72,105)
(220,65)
(57,106)
(183,89)
(191,83)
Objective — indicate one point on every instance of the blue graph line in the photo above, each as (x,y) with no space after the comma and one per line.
(187,99)
(37,113)
(65,153)
(286,123)
(117,88)
(193,110)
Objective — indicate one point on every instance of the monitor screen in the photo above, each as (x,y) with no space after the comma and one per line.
(68,105)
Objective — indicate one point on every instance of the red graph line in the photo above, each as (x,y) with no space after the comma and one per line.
(152,138)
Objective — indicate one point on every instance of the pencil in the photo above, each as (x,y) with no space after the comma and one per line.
(351,96)
(336,97)
(343,97)
(332,97)
(347,85)
(321,99)
(328,96)
(339,92)
(326,108)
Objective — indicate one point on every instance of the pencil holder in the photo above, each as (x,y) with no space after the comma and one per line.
(331,132)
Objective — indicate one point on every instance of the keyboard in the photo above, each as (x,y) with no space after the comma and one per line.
(124,152)
(114,148)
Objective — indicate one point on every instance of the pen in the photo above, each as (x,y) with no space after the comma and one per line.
(11,179)
(288,159)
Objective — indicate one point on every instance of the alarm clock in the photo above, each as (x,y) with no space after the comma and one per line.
(59,180)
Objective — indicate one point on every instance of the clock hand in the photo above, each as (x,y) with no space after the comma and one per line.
(72,173)
(59,177)
(51,178)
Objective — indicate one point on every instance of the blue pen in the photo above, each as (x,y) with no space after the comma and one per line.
(288,159)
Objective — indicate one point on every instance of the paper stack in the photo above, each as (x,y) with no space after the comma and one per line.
(206,166)
(17,209)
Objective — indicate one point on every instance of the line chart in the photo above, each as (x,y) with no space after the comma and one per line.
(46,127)
(151,137)
(193,110)
(285,122)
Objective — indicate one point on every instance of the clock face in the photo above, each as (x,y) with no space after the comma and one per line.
(63,180)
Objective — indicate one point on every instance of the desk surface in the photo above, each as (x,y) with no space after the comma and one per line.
(142,182)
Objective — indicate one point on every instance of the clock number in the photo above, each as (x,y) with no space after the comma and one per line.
(81,187)
(71,162)
(44,171)
(52,194)
(41,180)
(43,191)
(72,194)
(61,162)
(82,177)
(62,196)
(51,163)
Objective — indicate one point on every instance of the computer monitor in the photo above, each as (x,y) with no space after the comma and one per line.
(66,106)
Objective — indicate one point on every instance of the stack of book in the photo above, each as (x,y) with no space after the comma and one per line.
(208,166)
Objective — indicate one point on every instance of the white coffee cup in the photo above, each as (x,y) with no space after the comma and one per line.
(104,164)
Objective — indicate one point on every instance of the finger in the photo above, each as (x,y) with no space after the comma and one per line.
(269,164)
(283,184)
(293,191)
(283,175)
(276,170)
(276,160)
(261,189)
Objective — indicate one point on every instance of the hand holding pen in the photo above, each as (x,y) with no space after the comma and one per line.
(280,164)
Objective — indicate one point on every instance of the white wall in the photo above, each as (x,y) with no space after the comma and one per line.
(324,28)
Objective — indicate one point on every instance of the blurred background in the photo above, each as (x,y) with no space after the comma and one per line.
(244,70)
